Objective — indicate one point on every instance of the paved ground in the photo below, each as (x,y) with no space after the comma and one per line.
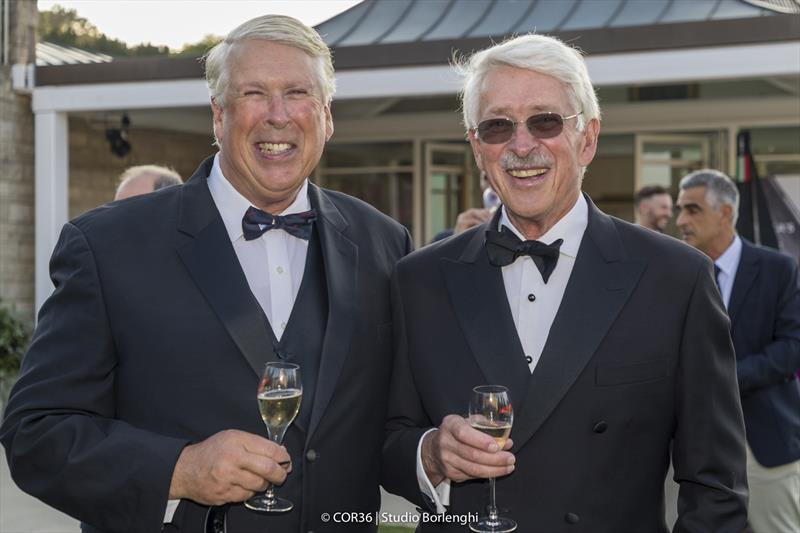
(20,513)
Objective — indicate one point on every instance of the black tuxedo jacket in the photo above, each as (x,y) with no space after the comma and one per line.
(765,326)
(639,353)
(152,340)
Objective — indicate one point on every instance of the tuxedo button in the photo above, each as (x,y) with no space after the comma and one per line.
(311,456)
(531,297)
(572,518)
(600,427)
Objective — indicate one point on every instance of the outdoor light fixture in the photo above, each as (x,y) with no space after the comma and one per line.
(118,138)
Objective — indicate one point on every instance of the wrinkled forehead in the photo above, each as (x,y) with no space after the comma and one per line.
(507,90)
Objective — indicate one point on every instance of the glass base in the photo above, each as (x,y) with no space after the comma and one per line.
(266,504)
(493,525)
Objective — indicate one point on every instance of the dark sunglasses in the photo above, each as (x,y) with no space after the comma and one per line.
(540,125)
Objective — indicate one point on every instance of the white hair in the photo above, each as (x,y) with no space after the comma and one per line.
(540,53)
(277,28)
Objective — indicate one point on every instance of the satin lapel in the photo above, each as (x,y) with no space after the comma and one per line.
(340,256)
(602,280)
(479,299)
(212,263)
(746,274)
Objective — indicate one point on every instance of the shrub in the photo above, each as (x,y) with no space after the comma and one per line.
(14,341)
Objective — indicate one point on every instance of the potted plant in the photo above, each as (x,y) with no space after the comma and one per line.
(14,341)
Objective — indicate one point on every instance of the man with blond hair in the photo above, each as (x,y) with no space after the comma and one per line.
(143,179)
(611,339)
(136,406)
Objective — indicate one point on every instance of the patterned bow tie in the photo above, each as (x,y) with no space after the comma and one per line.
(504,247)
(255,222)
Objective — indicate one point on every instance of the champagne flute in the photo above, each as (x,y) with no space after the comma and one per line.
(279,395)
(490,412)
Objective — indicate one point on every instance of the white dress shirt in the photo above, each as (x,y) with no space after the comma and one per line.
(533,316)
(728,264)
(273,263)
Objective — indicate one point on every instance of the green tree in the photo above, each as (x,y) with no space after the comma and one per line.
(65,27)
(198,49)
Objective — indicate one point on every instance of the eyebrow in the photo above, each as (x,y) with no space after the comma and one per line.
(505,111)
(687,206)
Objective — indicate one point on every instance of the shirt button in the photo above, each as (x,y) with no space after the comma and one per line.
(529,359)
(531,297)
(283,325)
(280,270)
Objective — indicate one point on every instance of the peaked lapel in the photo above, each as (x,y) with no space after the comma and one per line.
(476,289)
(602,280)
(340,256)
(746,274)
(212,263)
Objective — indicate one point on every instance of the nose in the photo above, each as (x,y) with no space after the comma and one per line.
(277,115)
(522,142)
(680,220)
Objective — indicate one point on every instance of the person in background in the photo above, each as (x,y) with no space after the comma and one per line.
(135,409)
(473,216)
(759,289)
(611,338)
(653,206)
(143,179)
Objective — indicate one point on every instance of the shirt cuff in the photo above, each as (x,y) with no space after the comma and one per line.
(440,496)
(172,506)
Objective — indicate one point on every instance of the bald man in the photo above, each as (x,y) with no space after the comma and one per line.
(143,179)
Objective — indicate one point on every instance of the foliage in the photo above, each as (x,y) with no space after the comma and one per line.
(65,27)
(13,342)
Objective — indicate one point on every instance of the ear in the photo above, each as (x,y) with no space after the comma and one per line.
(588,146)
(727,211)
(217,110)
(328,122)
(476,149)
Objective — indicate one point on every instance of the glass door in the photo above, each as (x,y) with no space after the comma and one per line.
(450,185)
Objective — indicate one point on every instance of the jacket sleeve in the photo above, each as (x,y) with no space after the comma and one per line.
(709,440)
(62,442)
(779,358)
(407,421)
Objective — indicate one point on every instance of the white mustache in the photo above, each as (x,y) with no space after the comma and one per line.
(511,160)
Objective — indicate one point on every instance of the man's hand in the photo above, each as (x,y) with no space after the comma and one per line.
(471,217)
(458,452)
(229,466)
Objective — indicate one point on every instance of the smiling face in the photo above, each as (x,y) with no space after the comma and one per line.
(655,212)
(274,124)
(539,180)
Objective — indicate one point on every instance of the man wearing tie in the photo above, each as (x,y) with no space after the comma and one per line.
(136,405)
(759,288)
(611,338)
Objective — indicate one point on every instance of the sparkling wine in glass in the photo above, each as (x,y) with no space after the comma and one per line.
(490,412)
(279,396)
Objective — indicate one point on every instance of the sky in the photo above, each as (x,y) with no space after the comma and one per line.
(177,22)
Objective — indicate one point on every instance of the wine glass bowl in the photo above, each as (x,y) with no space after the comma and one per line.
(490,412)
(280,392)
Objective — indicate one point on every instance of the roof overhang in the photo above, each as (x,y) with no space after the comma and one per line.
(629,68)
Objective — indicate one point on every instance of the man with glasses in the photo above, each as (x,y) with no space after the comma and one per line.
(611,339)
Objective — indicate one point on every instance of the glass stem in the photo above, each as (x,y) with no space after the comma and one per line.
(492,508)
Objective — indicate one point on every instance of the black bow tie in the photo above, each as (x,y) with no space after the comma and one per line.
(256,222)
(503,248)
